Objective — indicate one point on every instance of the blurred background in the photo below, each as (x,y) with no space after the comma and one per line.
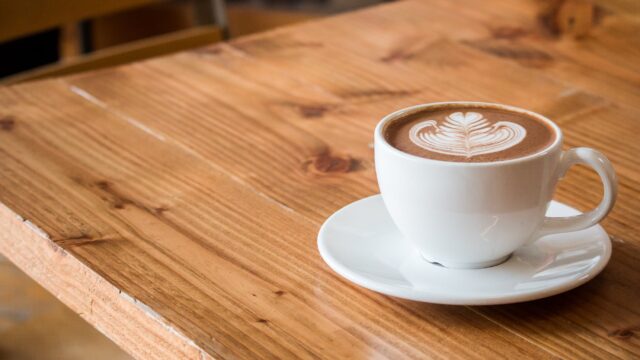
(47,38)
(44,38)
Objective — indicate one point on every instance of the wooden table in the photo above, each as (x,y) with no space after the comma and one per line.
(175,203)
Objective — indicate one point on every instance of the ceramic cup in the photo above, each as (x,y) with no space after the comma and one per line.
(474,215)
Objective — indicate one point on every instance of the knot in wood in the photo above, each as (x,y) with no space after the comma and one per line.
(7,123)
(328,163)
(313,111)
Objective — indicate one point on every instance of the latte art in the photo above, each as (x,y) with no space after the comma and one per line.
(466,134)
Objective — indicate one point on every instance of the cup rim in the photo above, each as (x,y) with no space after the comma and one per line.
(379,137)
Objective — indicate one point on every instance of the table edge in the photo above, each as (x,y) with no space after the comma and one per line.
(90,295)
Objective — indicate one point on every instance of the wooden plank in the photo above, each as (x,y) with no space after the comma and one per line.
(89,294)
(19,18)
(122,54)
(142,22)
(211,266)
(601,63)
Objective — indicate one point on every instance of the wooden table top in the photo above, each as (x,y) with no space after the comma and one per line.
(175,203)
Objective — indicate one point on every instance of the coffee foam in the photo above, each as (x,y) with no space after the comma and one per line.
(466,134)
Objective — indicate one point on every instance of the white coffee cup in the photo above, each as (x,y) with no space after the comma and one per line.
(474,215)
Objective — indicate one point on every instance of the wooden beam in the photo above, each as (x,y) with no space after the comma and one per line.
(133,51)
(19,18)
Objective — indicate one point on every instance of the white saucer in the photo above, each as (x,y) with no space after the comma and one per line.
(361,243)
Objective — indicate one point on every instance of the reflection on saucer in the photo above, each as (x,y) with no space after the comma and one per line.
(361,243)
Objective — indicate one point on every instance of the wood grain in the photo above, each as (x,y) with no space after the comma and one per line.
(195,184)
(243,267)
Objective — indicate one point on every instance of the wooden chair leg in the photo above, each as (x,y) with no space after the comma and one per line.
(212,12)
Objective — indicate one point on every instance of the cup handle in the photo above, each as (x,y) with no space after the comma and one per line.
(602,166)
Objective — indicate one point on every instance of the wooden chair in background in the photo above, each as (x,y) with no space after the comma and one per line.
(193,23)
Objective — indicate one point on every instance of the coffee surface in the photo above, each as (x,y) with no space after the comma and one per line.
(469,134)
